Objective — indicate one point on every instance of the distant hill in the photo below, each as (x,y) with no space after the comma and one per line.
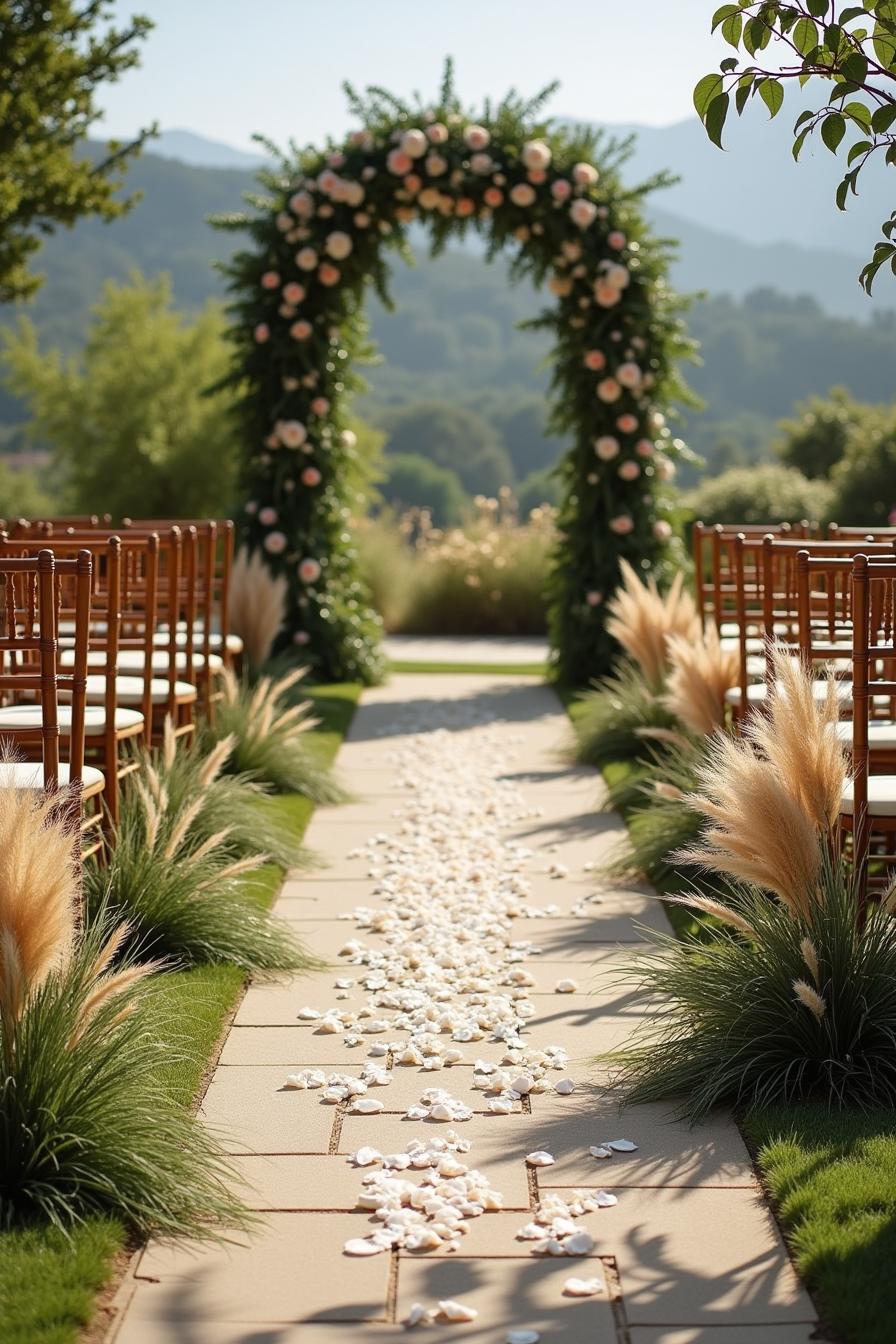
(200,152)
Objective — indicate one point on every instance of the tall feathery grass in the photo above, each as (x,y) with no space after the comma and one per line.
(185,897)
(701,670)
(257,607)
(797,997)
(615,712)
(266,728)
(660,823)
(233,805)
(84,1126)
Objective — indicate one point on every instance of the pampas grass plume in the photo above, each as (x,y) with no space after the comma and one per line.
(700,672)
(257,606)
(640,619)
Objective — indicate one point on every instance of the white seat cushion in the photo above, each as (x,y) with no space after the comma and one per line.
(881,736)
(132,660)
(759,690)
(30,775)
(29,716)
(234,643)
(881,796)
(129,690)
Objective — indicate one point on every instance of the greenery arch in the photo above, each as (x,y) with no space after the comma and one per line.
(320,238)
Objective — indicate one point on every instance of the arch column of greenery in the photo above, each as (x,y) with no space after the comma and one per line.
(321,237)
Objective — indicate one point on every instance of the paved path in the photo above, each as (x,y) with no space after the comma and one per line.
(688,1255)
(491,650)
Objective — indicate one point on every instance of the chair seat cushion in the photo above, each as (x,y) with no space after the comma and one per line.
(132,660)
(881,796)
(757,693)
(30,775)
(234,643)
(129,690)
(881,736)
(30,716)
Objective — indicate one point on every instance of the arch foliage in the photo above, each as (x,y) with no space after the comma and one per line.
(552,197)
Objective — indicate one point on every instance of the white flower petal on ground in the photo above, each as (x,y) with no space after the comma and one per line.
(540,1158)
(583,1287)
(622,1145)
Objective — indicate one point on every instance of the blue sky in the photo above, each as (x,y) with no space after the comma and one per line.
(226,68)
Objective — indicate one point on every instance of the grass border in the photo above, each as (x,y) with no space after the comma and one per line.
(54,1288)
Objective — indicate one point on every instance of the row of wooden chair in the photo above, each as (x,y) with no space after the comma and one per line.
(104,635)
(831,601)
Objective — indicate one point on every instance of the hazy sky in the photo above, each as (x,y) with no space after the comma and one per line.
(227,68)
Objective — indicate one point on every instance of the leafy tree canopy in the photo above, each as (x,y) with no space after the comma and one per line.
(412,481)
(132,423)
(455,438)
(816,438)
(53,55)
(864,480)
(850,48)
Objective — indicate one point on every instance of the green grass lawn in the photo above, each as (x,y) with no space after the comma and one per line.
(831,1177)
(518,669)
(49,1282)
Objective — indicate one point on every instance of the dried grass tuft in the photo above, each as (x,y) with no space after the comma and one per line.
(641,620)
(810,998)
(257,606)
(700,672)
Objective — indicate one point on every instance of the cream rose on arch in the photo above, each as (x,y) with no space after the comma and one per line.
(536,155)
(476,137)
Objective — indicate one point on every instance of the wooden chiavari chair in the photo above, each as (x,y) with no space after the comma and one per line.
(35,590)
(172,686)
(869,802)
(713,554)
(108,724)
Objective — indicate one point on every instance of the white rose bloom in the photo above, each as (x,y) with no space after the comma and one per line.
(583,213)
(354,193)
(414,143)
(338,245)
(436,165)
(536,154)
(306,260)
(584,174)
(617,275)
(476,137)
(481,163)
(628,374)
(292,433)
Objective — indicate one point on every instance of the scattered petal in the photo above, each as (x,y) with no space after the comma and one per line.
(583,1287)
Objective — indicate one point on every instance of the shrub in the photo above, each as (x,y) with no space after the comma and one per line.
(864,480)
(411,481)
(660,823)
(614,716)
(762,494)
(84,1126)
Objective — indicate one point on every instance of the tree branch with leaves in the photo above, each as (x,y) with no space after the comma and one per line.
(852,48)
(53,56)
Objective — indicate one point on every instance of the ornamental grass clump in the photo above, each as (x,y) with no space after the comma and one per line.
(266,728)
(234,807)
(796,996)
(84,1126)
(257,607)
(185,897)
(701,670)
(642,619)
(660,823)
(613,716)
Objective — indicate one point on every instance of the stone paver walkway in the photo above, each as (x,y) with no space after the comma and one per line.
(493,650)
(688,1255)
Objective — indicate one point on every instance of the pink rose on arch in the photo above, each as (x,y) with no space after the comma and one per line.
(644,448)
(284,222)
(429,199)
(662,530)
(595,360)
(362,221)
(665,470)
(608,390)
(338,245)
(465,207)
(537,176)
(293,293)
(301,637)
(476,137)
(493,197)
(629,374)
(412,183)
(606,296)
(406,213)
(594,598)
(309,570)
(320,406)
(301,330)
(329,275)
(622,524)
(270,280)
(627,423)
(617,275)
(522,195)
(251,507)
(583,213)
(311,476)
(271,441)
(629,471)
(536,155)
(275,543)
(616,239)
(561,285)
(399,163)
(292,433)
(336,159)
(606,447)
(561,190)
(306,259)
(267,516)
(414,143)
(328,182)
(437,133)
(262,333)
(435,165)
(481,164)
(585,175)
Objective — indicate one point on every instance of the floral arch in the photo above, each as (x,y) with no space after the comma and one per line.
(320,237)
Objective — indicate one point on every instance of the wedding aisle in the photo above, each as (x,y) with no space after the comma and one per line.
(423,1122)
